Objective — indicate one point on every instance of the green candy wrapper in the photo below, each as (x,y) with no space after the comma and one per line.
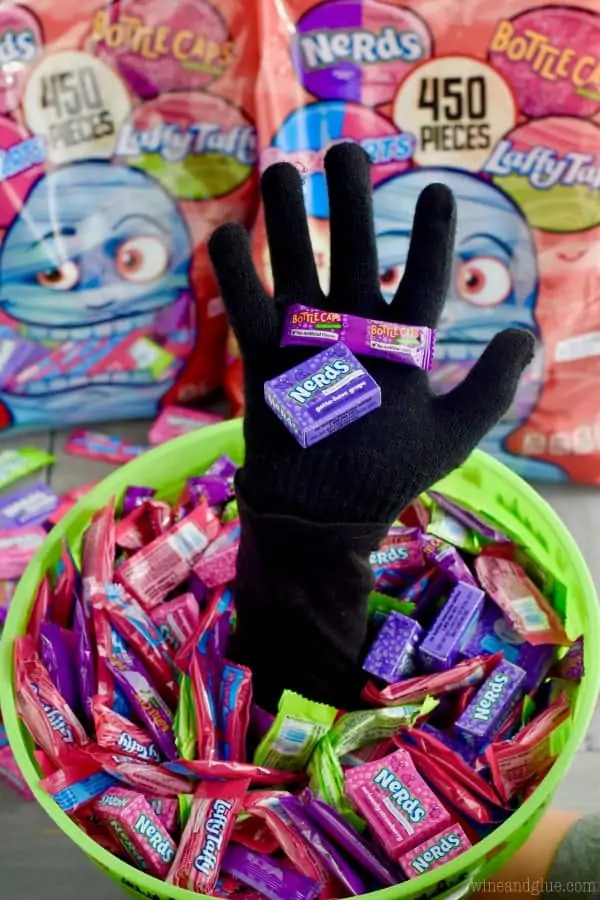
(230,513)
(449,529)
(297,728)
(184,802)
(327,782)
(184,725)
(355,730)
(16,464)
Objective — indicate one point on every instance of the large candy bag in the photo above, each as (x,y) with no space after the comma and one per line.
(501,104)
(126,136)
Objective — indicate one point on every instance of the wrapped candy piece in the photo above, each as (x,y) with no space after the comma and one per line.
(160,567)
(327,781)
(99,545)
(167,810)
(355,730)
(571,667)
(144,523)
(217,564)
(436,851)
(447,558)
(50,720)
(142,776)
(323,847)
(17,548)
(41,608)
(174,421)
(467,673)
(142,695)
(216,490)
(205,837)
(476,521)
(31,506)
(521,601)
(440,648)
(219,769)
(66,588)
(135,496)
(117,734)
(391,656)
(348,839)
(103,447)
(74,787)
(16,464)
(222,466)
(296,730)
(85,663)
(7,592)
(406,556)
(177,620)
(132,821)
(267,875)
(447,528)
(56,647)
(233,711)
(393,783)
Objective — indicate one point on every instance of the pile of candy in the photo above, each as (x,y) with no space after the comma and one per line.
(148,738)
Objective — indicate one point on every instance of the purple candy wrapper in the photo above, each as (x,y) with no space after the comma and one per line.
(7,592)
(469,754)
(350,841)
(267,875)
(491,706)
(136,496)
(322,395)
(493,633)
(31,506)
(223,466)
(215,489)
(469,519)
(441,647)
(85,669)
(410,344)
(447,558)
(57,651)
(322,847)
(571,666)
(392,654)
(151,710)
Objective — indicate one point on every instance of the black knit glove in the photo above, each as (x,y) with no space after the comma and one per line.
(370,470)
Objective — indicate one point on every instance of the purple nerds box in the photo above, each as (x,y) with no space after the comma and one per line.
(494,634)
(31,506)
(491,705)
(392,653)
(441,647)
(323,394)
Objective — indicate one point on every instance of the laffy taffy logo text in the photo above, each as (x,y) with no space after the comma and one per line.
(543,167)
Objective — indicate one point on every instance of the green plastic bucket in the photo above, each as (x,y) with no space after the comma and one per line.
(483,484)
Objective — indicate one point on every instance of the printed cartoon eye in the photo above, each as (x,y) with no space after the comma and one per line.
(389,279)
(483,281)
(141,259)
(63,278)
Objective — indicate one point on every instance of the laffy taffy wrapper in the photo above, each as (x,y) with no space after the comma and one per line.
(396,802)
(521,601)
(119,735)
(174,421)
(103,447)
(409,344)
(432,854)
(233,711)
(132,821)
(161,566)
(272,878)
(50,720)
(144,524)
(177,620)
(206,835)
(295,732)
(75,787)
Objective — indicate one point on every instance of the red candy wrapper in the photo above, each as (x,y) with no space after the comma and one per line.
(118,735)
(142,776)
(529,755)
(255,834)
(41,608)
(67,583)
(145,523)
(233,711)
(521,601)
(99,545)
(161,566)
(206,725)
(51,722)
(178,620)
(217,770)
(412,690)
(202,847)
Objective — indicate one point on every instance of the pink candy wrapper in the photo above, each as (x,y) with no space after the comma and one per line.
(65,586)
(217,770)
(218,562)
(103,447)
(142,776)
(160,567)
(118,735)
(99,546)
(177,420)
(202,847)
(133,822)
(167,811)
(17,549)
(177,620)
(412,690)
(521,601)
(51,722)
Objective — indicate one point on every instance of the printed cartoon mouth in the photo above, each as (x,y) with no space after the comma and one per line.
(65,383)
(111,328)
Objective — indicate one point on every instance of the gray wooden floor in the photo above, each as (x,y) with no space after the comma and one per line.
(37,863)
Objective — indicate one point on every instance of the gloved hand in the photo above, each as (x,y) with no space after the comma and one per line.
(370,470)
(311,517)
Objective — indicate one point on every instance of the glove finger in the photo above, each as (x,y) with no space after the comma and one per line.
(292,258)
(251,311)
(468,412)
(354,270)
(420,296)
